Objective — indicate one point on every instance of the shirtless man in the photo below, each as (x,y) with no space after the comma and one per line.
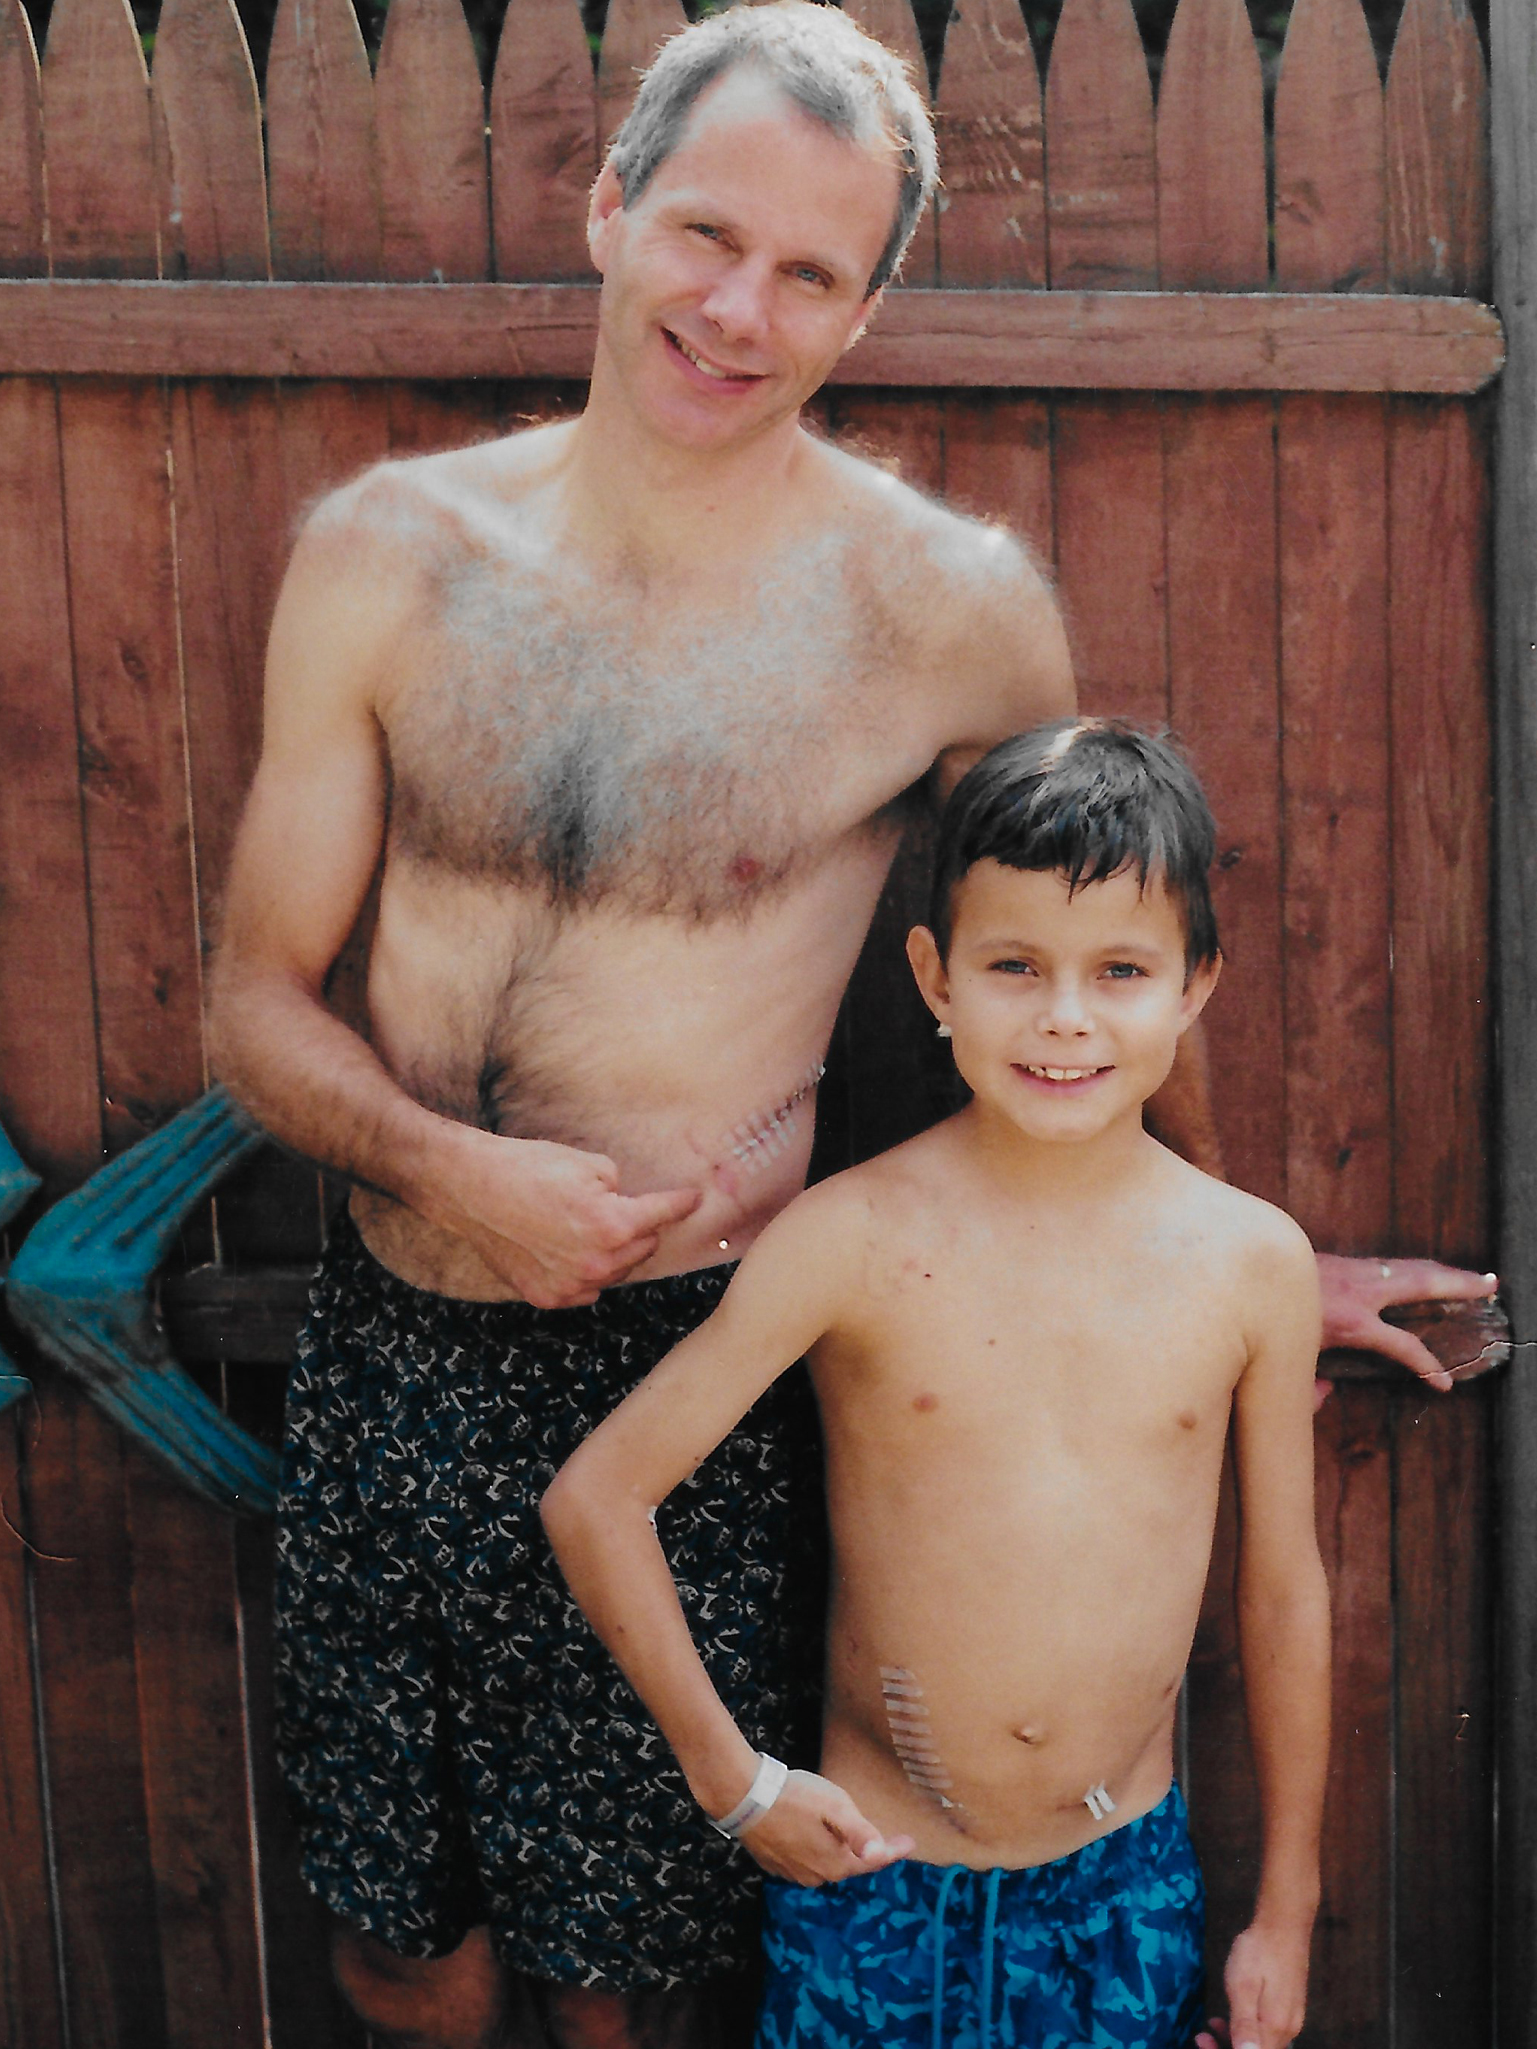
(632,710)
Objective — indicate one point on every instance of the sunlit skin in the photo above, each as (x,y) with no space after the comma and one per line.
(1028,1330)
(739,276)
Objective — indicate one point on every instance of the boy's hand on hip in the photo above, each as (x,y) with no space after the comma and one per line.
(1267,1983)
(814,1835)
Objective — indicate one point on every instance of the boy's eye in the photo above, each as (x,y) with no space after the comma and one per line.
(1123,970)
(1012,967)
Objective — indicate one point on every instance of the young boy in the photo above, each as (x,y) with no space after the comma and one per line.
(1027,1329)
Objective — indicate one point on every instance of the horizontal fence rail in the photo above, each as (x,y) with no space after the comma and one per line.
(1113,341)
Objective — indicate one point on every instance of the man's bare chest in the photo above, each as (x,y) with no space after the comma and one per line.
(674,759)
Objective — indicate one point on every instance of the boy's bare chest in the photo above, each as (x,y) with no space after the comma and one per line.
(672,757)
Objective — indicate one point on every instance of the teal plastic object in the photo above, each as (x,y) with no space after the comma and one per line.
(81,1286)
(17,1182)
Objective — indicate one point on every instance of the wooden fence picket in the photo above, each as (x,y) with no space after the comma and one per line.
(992,210)
(206,88)
(23,251)
(1436,123)
(633,33)
(433,179)
(1212,224)
(1107,452)
(99,149)
(1329,164)
(322,146)
(47,1083)
(1101,168)
(544,142)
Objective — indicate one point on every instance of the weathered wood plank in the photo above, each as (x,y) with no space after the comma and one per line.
(1437,121)
(1443,1632)
(991,215)
(998,463)
(1330,207)
(1352,1953)
(1439,654)
(49,1092)
(31,2016)
(1107,469)
(1513,42)
(893,23)
(544,142)
(322,146)
(1155,341)
(1101,174)
(1335,820)
(110,1935)
(1212,222)
(206,90)
(632,34)
(1224,703)
(22,249)
(103,212)
(430,107)
(192,1712)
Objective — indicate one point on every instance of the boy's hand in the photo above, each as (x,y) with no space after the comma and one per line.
(814,1834)
(1267,1982)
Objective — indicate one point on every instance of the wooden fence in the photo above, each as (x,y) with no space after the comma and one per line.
(1222,379)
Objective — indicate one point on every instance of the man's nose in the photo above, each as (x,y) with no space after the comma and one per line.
(738,301)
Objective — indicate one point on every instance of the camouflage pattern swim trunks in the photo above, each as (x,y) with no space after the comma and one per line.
(458,1745)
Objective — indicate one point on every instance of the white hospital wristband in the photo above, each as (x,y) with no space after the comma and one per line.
(768,1783)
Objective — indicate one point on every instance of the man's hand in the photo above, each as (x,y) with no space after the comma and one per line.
(814,1834)
(550,1220)
(1267,1982)
(1356,1291)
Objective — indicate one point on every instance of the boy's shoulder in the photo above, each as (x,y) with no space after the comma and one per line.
(1264,1243)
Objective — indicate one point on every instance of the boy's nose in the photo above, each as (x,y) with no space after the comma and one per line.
(1066,1015)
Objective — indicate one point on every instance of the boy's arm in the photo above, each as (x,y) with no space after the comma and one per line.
(599,1515)
(1283,1625)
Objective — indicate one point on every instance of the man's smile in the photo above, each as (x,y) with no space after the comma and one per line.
(718,371)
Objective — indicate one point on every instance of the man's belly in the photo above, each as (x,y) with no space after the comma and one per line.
(745,1164)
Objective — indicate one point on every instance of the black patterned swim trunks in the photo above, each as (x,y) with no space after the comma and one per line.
(459,1747)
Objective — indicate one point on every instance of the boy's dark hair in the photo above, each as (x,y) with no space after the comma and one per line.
(1084,798)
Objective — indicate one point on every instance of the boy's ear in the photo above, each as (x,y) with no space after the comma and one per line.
(929,971)
(604,205)
(1198,992)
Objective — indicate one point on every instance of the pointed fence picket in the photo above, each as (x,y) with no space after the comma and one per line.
(1222,561)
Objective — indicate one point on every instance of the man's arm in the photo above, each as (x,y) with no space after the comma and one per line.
(599,1515)
(1283,1626)
(545,1218)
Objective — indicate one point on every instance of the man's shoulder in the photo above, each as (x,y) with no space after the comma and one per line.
(941,549)
(421,504)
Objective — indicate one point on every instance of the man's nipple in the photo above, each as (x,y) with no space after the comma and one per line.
(745,870)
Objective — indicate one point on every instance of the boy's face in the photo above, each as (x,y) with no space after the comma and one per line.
(1064,1010)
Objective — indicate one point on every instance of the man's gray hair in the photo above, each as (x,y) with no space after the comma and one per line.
(824,63)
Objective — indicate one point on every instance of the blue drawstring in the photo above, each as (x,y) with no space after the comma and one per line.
(989,1925)
(947,1879)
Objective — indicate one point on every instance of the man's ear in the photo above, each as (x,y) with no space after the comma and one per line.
(867,313)
(604,206)
(929,971)
(1198,992)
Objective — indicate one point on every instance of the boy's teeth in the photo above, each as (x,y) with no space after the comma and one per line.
(1064,1073)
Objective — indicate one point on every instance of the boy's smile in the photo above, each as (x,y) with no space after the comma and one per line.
(1064,1009)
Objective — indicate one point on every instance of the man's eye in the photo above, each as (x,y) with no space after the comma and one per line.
(704,228)
(807,275)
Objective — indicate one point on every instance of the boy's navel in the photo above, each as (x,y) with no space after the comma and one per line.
(1027,1732)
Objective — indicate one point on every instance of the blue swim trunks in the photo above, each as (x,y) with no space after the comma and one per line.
(1099,1950)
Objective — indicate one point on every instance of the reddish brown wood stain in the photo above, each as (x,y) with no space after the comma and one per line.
(1296,583)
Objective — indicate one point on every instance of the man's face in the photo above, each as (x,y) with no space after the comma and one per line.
(737,279)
